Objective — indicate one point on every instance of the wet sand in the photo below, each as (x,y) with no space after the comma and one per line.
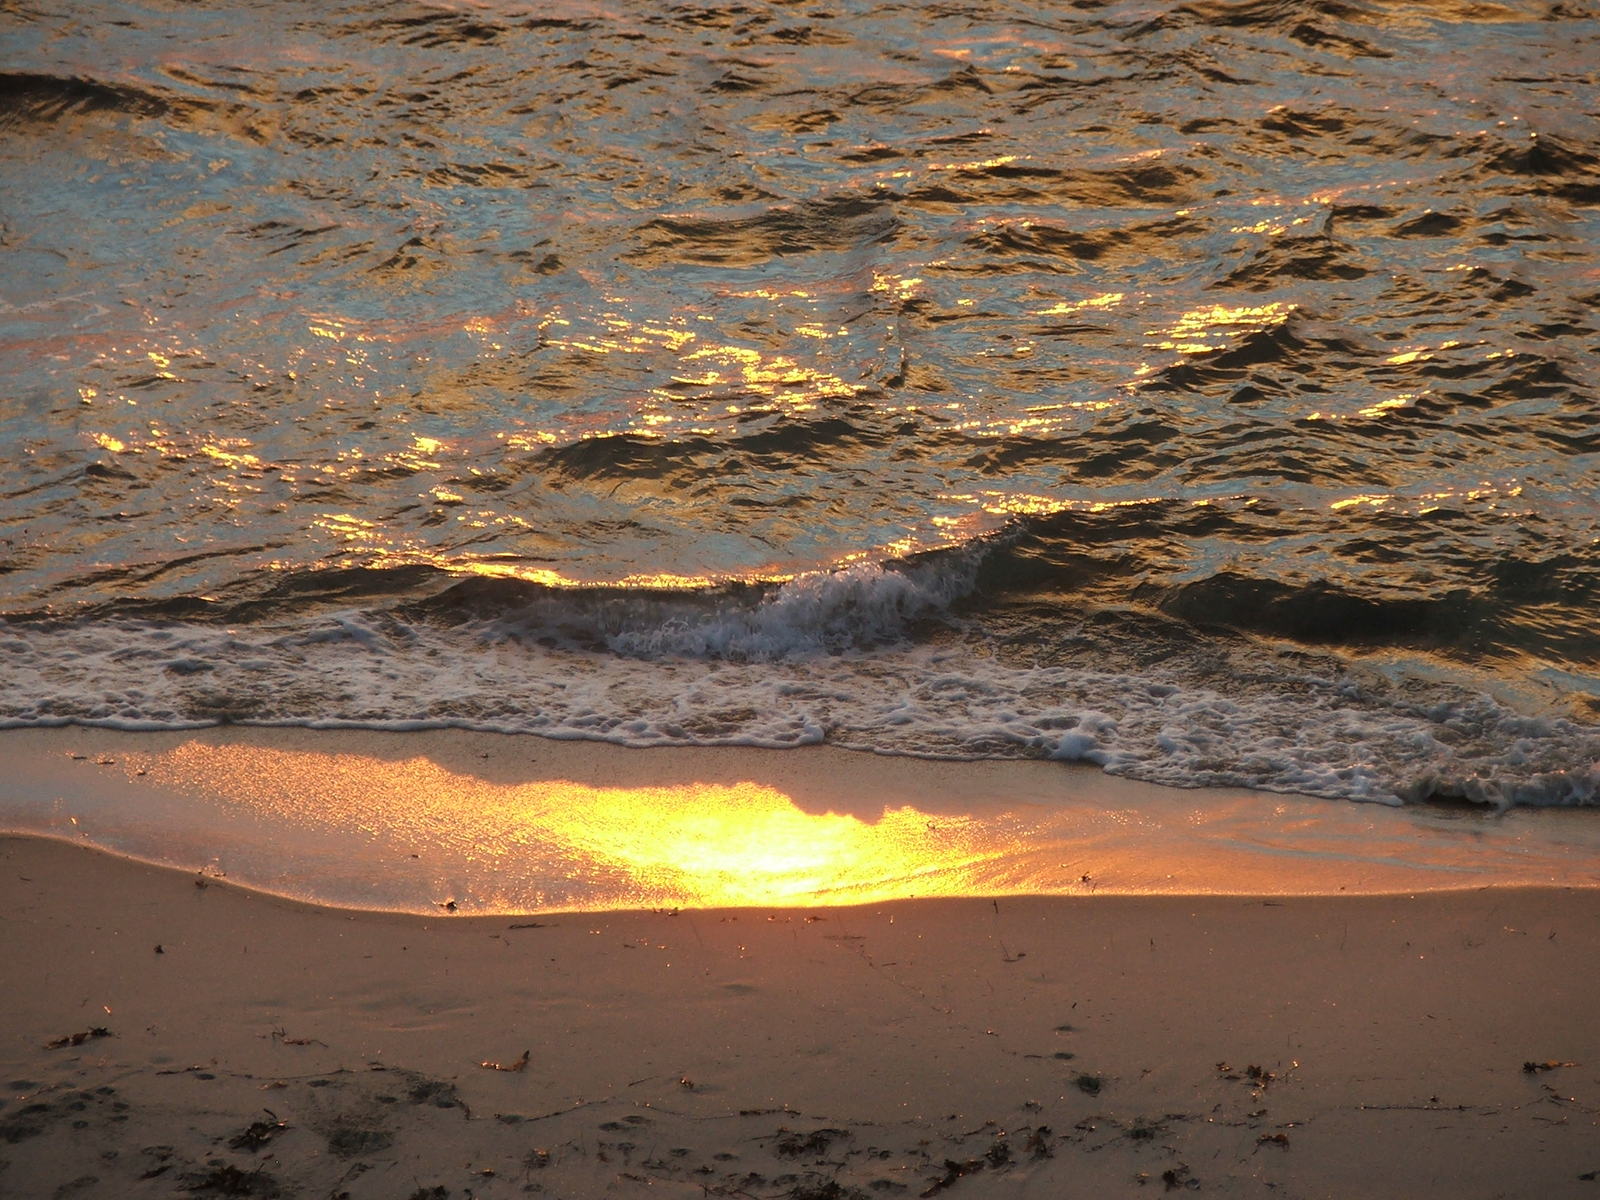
(498,824)
(235,1043)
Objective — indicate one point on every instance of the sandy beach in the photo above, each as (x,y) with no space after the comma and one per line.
(170,1032)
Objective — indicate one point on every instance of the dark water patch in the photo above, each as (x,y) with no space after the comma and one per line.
(1427,581)
(62,103)
(628,457)
(894,97)
(1035,244)
(1429,224)
(1315,257)
(1554,164)
(1034,182)
(1276,454)
(432,30)
(1040,245)
(143,591)
(824,440)
(841,223)
(39,97)
(1264,13)
(1300,354)
(1124,453)
(1317,611)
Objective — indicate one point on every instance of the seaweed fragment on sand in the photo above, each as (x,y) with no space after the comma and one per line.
(1533,1068)
(952,1172)
(791,1144)
(229,1180)
(258,1133)
(79,1038)
(1180,1177)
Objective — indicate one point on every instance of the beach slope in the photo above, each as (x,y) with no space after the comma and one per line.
(168,1033)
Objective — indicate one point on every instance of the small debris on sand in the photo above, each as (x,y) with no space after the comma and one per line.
(79,1038)
(520,1064)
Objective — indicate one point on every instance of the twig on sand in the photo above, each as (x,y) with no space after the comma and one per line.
(520,1064)
(281,1035)
(1485,1109)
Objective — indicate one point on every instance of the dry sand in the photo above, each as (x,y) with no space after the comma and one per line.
(240,1044)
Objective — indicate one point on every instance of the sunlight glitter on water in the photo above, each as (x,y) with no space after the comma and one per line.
(1227,371)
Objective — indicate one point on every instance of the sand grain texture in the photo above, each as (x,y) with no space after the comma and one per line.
(1105,1046)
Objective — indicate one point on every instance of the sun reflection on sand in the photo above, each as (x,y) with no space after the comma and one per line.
(534,843)
(750,844)
(417,822)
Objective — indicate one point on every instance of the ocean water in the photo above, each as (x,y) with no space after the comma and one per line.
(1206,391)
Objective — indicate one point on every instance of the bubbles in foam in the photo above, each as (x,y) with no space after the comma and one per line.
(818,612)
(835,656)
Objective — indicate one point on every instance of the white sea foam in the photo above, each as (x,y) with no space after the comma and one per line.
(792,667)
(821,611)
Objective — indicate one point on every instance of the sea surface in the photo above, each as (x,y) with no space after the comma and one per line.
(1207,391)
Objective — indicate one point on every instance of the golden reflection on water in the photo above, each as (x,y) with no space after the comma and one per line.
(1009,504)
(555,843)
(773,376)
(750,844)
(483,566)
(1216,326)
(1068,307)
(487,826)
(1491,497)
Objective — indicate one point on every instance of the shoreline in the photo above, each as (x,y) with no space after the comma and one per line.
(510,824)
(1380,1045)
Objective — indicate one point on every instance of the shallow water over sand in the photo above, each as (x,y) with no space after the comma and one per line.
(450,822)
